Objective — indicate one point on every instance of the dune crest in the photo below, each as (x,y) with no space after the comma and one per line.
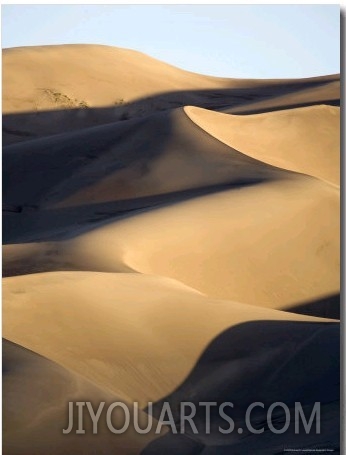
(168,237)
(139,321)
(302,140)
(46,89)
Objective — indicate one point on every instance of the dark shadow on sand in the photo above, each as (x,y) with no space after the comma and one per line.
(326,307)
(32,125)
(27,222)
(259,361)
(68,222)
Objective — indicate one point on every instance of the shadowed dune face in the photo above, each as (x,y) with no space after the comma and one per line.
(161,154)
(238,364)
(141,344)
(168,237)
(325,307)
(327,92)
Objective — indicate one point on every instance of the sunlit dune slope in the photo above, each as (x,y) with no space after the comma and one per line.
(144,337)
(253,232)
(32,74)
(218,244)
(160,228)
(304,140)
(221,243)
(53,89)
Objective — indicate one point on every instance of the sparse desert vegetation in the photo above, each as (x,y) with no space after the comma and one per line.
(58,99)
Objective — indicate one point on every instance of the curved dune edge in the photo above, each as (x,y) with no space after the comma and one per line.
(195,149)
(35,410)
(259,232)
(111,67)
(127,84)
(136,345)
(327,93)
(133,160)
(169,248)
(304,140)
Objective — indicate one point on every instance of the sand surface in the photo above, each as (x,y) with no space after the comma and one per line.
(168,237)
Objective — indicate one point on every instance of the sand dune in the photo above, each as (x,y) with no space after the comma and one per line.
(161,228)
(226,250)
(112,69)
(324,92)
(302,140)
(235,366)
(139,346)
(38,412)
(138,321)
(161,154)
(233,242)
(260,198)
(128,74)
(46,89)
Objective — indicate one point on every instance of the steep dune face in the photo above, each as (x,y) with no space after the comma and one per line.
(303,140)
(263,220)
(139,322)
(167,152)
(155,258)
(160,154)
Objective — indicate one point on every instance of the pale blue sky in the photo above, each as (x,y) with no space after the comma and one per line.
(259,41)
